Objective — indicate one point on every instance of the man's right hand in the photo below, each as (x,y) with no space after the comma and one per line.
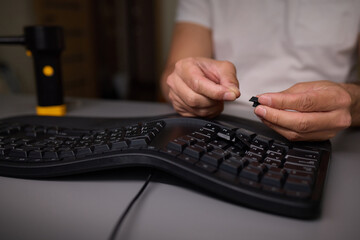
(199,86)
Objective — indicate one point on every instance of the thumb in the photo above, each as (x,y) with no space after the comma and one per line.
(226,75)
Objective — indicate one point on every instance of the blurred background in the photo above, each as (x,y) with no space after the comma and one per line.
(114,49)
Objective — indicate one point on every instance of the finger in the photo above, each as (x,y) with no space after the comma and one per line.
(303,122)
(185,110)
(304,102)
(199,81)
(190,97)
(222,72)
(295,136)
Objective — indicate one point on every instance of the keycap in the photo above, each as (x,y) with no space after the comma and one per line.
(226,134)
(189,140)
(119,145)
(212,158)
(232,166)
(306,154)
(207,167)
(194,151)
(187,159)
(296,184)
(139,142)
(301,162)
(272,179)
(176,145)
(250,173)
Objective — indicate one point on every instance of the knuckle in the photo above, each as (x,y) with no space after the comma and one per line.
(203,113)
(303,126)
(275,119)
(192,101)
(345,121)
(228,65)
(345,100)
(179,64)
(307,103)
(195,84)
(293,136)
(170,79)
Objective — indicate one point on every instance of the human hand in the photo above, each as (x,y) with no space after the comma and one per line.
(322,109)
(199,86)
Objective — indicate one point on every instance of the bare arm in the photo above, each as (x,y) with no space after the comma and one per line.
(194,83)
(189,40)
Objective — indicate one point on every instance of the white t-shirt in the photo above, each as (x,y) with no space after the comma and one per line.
(277,43)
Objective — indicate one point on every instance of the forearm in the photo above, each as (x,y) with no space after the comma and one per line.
(354,91)
(189,40)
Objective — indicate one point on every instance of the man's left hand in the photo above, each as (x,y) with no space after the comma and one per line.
(307,111)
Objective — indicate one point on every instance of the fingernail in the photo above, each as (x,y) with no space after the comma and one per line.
(234,89)
(229,96)
(260,111)
(265,100)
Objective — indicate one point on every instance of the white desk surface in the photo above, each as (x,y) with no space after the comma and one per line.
(88,206)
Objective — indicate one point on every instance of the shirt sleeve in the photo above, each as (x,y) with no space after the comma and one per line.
(194,11)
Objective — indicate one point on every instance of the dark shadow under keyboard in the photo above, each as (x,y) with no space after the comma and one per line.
(236,159)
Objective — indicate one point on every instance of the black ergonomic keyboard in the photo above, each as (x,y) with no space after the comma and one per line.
(239,160)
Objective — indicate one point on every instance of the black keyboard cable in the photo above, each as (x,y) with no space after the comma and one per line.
(128,208)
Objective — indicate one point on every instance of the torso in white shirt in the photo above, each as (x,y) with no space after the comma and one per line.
(277,43)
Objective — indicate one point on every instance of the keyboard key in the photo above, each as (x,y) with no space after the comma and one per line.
(18,153)
(101,148)
(306,154)
(211,127)
(206,147)
(272,189)
(276,149)
(298,194)
(66,153)
(189,140)
(194,151)
(299,168)
(212,158)
(226,134)
(296,184)
(207,167)
(272,179)
(200,137)
(35,154)
(251,157)
(119,145)
(187,159)
(139,142)
(81,152)
(232,166)
(235,151)
(244,134)
(250,183)
(250,173)
(50,154)
(272,163)
(176,145)
(170,152)
(301,162)
(261,142)
(219,144)
(302,175)
(274,156)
